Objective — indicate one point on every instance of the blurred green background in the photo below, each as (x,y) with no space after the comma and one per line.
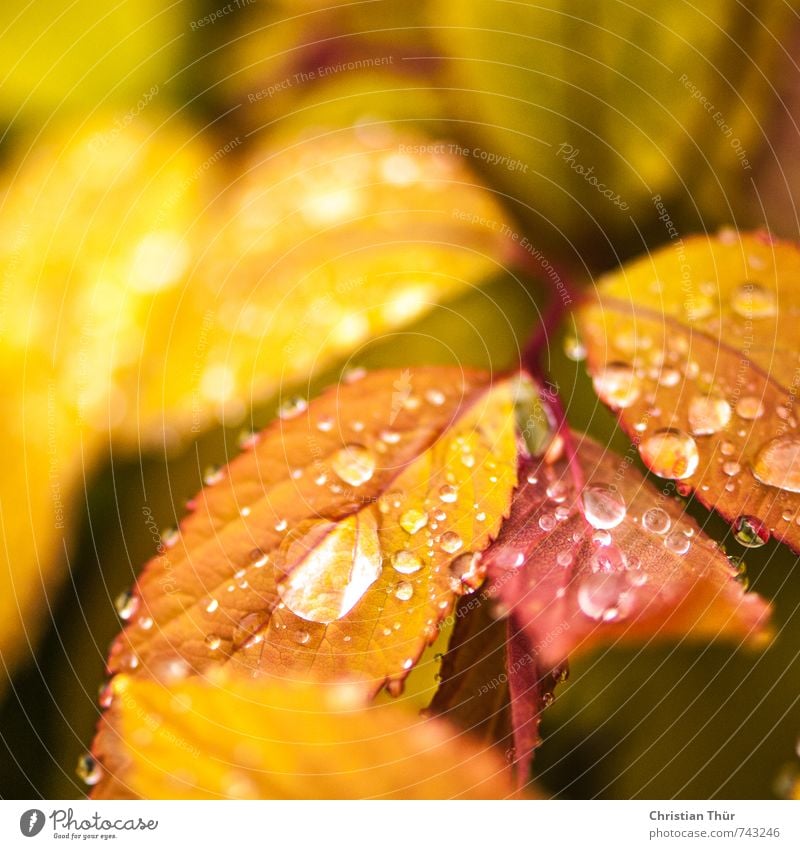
(627,86)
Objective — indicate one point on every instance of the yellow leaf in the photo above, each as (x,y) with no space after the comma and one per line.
(230,737)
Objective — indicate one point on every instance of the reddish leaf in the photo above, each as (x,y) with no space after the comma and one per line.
(696,348)
(336,545)
(572,581)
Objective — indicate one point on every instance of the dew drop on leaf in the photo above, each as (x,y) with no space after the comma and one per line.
(406,562)
(413,520)
(451,542)
(617,385)
(354,464)
(750,300)
(88,770)
(574,349)
(603,506)
(291,407)
(605,596)
(466,573)
(677,543)
(750,532)
(708,414)
(404,590)
(448,493)
(670,453)
(656,520)
(126,604)
(778,463)
(213,642)
(749,408)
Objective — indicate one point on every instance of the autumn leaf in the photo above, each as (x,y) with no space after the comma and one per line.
(318,247)
(336,544)
(614,561)
(229,737)
(694,347)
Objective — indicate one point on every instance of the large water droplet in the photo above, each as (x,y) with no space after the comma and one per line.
(354,464)
(330,566)
(778,463)
(656,520)
(605,596)
(750,532)
(708,414)
(670,453)
(466,573)
(751,300)
(451,542)
(602,505)
(616,384)
(406,562)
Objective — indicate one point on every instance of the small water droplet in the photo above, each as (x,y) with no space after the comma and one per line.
(547,521)
(670,453)
(605,596)
(325,424)
(354,464)
(603,506)
(88,770)
(617,385)
(574,349)
(451,542)
(281,525)
(213,642)
(750,532)
(301,637)
(601,537)
(413,520)
(126,604)
(213,475)
(212,605)
(731,468)
(435,397)
(170,536)
(708,414)
(404,590)
(778,463)
(656,520)
(564,558)
(406,562)
(750,408)
(557,491)
(292,407)
(448,493)
(751,300)
(677,543)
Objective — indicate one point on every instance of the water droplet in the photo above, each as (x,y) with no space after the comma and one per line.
(250,630)
(354,464)
(708,414)
(616,384)
(601,537)
(390,437)
(435,397)
(608,558)
(406,562)
(330,566)
(564,558)
(574,349)
(448,493)
(301,637)
(126,604)
(213,475)
(751,300)
(557,491)
(602,505)
(778,463)
(258,558)
(547,521)
(404,590)
(750,408)
(170,536)
(466,573)
(731,468)
(670,453)
(605,596)
(677,543)
(413,520)
(325,424)
(292,407)
(451,542)
(656,520)
(213,642)
(281,525)
(750,532)
(88,770)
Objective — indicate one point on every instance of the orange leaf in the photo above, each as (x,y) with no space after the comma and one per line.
(695,347)
(229,737)
(337,543)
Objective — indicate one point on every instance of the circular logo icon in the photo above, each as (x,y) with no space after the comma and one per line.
(31,822)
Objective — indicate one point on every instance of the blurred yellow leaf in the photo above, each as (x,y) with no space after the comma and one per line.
(232,737)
